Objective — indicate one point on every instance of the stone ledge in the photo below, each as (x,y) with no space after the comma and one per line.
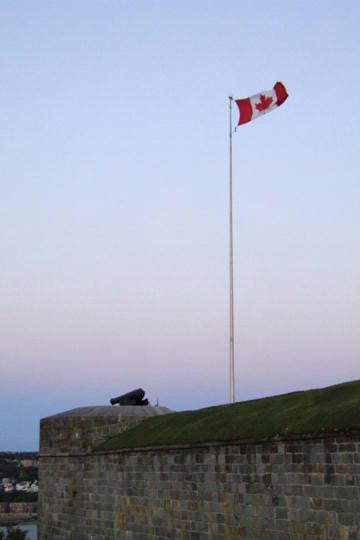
(110,410)
(236,442)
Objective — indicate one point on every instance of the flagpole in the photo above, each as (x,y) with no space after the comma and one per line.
(231,270)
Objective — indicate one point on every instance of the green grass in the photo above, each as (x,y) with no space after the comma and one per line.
(335,408)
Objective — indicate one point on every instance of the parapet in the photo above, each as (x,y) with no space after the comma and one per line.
(76,430)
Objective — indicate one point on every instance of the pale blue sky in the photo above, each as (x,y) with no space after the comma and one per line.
(114,193)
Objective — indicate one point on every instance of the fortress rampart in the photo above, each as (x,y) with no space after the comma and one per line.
(280,489)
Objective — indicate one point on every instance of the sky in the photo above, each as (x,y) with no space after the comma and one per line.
(114,203)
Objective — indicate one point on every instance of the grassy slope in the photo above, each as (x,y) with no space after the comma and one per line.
(328,409)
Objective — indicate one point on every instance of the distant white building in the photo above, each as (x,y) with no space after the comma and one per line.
(23,486)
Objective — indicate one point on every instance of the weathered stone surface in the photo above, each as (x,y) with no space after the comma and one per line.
(78,429)
(255,491)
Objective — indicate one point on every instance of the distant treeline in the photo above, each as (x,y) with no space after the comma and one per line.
(12,470)
(10,467)
(19,455)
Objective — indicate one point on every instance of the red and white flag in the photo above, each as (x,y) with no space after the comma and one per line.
(254,106)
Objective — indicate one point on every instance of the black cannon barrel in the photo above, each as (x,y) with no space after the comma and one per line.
(135,397)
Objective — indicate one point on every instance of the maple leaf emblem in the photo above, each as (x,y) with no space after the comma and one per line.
(264,104)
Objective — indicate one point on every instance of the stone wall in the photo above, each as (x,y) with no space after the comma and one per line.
(78,429)
(272,490)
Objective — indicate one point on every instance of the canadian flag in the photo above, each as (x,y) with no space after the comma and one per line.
(254,106)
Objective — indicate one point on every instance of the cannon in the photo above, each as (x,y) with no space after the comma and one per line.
(135,397)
